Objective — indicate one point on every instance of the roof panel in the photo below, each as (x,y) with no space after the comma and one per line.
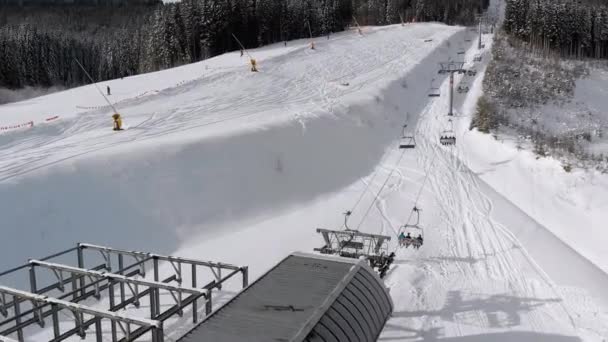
(303,297)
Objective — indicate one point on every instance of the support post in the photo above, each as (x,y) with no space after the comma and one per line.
(81,265)
(156,278)
(18,318)
(451,68)
(451,113)
(33,285)
(74,287)
(98,331)
(55,311)
(194,303)
(209,304)
(245,271)
(111,297)
(122,285)
(152,303)
(158,335)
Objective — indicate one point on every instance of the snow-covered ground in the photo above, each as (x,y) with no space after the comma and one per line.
(223,164)
(226,145)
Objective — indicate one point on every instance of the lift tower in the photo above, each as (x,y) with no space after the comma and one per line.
(452,68)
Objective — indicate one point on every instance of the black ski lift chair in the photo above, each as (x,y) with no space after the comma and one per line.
(471,72)
(477,58)
(415,231)
(434,91)
(448,138)
(462,88)
(407,141)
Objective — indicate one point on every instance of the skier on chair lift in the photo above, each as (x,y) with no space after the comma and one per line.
(402,238)
(418,242)
(405,240)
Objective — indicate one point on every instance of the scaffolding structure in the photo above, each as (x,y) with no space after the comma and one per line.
(121,276)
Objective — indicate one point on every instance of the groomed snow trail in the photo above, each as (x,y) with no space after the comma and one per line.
(473,280)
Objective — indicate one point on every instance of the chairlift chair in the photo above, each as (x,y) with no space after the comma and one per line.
(463,89)
(471,72)
(477,58)
(354,244)
(414,231)
(407,140)
(448,138)
(434,91)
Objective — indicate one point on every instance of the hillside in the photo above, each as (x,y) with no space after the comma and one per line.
(224,164)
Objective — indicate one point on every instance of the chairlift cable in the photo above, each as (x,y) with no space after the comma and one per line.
(417,199)
(426,177)
(367,187)
(369,184)
(381,188)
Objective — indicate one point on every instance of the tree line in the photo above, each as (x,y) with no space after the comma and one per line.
(39,46)
(572,28)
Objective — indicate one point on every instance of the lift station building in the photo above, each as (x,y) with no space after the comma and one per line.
(305,297)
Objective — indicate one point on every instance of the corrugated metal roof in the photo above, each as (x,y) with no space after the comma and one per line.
(306,297)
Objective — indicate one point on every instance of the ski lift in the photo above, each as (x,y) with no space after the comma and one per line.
(477,58)
(407,141)
(412,234)
(434,91)
(448,138)
(463,88)
(354,244)
(471,72)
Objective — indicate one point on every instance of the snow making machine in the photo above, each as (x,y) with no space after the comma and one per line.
(354,244)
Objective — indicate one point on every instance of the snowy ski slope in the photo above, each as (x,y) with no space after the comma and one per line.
(219,163)
(154,176)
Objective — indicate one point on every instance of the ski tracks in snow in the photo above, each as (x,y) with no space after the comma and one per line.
(300,81)
(476,266)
